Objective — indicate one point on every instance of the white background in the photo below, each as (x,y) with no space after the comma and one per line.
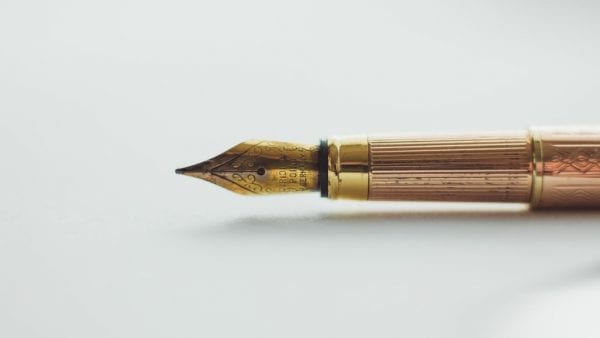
(101,100)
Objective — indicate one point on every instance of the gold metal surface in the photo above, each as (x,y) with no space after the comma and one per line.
(348,168)
(261,167)
(485,167)
(538,168)
(567,168)
(547,168)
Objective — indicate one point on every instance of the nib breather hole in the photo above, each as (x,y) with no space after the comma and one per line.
(260,171)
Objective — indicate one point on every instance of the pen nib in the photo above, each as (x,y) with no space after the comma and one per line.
(261,167)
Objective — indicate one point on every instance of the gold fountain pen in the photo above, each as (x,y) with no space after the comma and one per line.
(545,167)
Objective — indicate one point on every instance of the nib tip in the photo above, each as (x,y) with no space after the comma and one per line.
(179,171)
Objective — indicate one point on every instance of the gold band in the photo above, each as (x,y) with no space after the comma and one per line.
(348,168)
(537,169)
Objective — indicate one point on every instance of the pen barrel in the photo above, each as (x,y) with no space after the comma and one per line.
(548,168)
(490,168)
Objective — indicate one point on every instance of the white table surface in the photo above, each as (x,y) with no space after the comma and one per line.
(101,101)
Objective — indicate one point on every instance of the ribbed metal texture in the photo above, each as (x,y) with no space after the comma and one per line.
(472,168)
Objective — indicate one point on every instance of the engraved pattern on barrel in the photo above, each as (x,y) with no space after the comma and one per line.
(567,167)
(486,168)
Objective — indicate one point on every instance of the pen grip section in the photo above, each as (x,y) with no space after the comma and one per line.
(478,168)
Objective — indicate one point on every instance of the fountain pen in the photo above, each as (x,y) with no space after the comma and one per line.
(544,167)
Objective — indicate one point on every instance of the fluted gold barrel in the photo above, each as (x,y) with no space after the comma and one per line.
(491,168)
(548,168)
